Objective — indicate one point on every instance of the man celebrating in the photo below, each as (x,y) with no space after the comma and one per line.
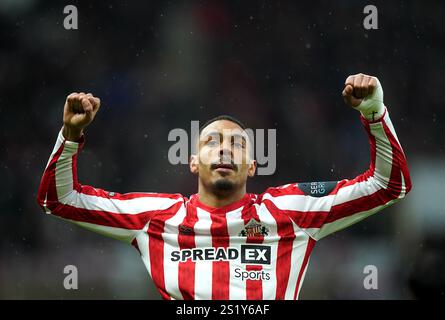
(224,243)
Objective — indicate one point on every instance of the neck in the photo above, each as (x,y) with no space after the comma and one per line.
(211,199)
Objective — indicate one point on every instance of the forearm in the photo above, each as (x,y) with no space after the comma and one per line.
(71,133)
(60,176)
(389,167)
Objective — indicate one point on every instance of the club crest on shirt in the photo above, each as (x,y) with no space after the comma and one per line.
(254,229)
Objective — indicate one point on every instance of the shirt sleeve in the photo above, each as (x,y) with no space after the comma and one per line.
(120,216)
(321,208)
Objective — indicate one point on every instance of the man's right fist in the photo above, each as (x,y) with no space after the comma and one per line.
(79,111)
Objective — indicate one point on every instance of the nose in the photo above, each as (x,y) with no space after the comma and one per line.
(225,150)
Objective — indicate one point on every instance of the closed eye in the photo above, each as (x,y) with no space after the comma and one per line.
(212,143)
(238,145)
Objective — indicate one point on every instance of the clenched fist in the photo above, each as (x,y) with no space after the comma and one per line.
(364,93)
(79,111)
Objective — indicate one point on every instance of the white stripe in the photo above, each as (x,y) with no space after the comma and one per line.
(130,206)
(270,286)
(403,192)
(47,210)
(235,223)
(170,237)
(64,173)
(203,269)
(300,202)
(383,160)
(355,191)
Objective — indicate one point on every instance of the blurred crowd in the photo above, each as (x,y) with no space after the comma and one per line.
(272,64)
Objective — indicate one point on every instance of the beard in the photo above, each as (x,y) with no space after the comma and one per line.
(223,186)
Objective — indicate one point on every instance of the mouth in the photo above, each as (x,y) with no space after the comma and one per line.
(224,167)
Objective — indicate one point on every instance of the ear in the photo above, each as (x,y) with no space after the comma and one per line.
(194,164)
(252,168)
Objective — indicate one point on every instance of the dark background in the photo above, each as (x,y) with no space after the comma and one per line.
(272,64)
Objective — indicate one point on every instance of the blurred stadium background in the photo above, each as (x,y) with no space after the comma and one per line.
(273,64)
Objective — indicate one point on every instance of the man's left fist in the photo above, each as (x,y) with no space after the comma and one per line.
(364,93)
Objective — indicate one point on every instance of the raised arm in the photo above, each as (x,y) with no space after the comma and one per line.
(321,208)
(121,216)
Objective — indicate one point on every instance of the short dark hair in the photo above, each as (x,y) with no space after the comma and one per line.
(222,117)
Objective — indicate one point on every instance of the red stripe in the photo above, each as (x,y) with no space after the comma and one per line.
(286,232)
(220,269)
(88,190)
(76,184)
(47,188)
(186,270)
(156,248)
(280,191)
(134,243)
(254,288)
(310,246)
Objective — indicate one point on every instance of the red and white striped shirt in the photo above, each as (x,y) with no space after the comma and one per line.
(255,248)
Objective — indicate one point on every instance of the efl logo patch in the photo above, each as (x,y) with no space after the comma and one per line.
(255,254)
(254,229)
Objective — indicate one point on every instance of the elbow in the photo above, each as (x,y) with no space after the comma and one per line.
(408,186)
(406,183)
(41,195)
(47,206)
(400,190)
(41,200)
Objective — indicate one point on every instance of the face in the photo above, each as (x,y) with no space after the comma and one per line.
(223,162)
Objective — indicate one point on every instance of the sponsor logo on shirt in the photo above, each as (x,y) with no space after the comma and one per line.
(251,274)
(248,254)
(255,254)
